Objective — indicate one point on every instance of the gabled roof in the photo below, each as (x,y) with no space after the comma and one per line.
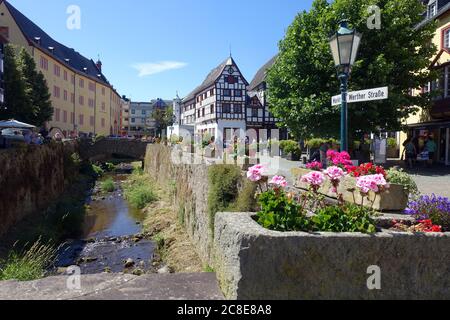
(60,52)
(212,77)
(260,76)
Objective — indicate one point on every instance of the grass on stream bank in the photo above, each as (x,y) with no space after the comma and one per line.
(28,265)
(139,190)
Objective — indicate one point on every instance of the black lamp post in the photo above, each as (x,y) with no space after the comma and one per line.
(344,47)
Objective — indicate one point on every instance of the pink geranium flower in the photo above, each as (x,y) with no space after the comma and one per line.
(256,173)
(335,173)
(314,178)
(279,181)
(375,183)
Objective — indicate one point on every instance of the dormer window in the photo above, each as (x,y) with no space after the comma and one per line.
(432,8)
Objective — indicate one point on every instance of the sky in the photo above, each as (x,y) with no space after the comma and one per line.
(156,48)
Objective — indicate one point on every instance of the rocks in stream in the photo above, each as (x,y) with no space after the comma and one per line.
(129,263)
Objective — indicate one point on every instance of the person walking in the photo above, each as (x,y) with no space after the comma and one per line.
(431,147)
(411,153)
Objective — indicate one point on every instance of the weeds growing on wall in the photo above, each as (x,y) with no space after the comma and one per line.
(223,189)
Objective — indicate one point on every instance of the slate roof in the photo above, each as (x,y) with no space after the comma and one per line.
(210,79)
(60,52)
(260,76)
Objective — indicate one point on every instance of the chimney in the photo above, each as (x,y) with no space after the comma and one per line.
(99,65)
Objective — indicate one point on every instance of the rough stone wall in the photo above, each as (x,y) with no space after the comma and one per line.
(31,177)
(254,263)
(191,194)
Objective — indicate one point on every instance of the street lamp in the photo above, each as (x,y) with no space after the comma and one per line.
(344,47)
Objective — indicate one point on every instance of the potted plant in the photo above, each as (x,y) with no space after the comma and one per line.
(290,150)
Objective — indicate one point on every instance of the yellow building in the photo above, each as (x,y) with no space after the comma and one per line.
(83,100)
(436,122)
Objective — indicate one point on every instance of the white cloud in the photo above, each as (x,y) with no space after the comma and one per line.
(150,68)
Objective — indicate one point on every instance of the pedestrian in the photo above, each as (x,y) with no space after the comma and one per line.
(431,147)
(323,153)
(411,153)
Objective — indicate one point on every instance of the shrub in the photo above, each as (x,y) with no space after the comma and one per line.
(28,265)
(98,171)
(290,147)
(109,167)
(139,194)
(246,200)
(223,188)
(402,178)
(315,143)
(347,218)
(108,185)
(392,143)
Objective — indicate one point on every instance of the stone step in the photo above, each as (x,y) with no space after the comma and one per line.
(189,286)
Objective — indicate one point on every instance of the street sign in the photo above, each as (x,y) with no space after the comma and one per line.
(363,95)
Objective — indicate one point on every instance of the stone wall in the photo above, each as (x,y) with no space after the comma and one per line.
(31,178)
(254,263)
(191,194)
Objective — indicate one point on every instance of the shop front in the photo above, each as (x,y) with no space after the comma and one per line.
(438,131)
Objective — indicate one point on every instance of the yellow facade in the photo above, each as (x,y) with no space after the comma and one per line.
(81,103)
(442,57)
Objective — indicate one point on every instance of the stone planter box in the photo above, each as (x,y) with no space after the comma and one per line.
(394,199)
(254,263)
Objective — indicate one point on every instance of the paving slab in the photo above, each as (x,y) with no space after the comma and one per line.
(190,286)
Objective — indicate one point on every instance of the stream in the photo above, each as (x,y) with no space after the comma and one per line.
(112,239)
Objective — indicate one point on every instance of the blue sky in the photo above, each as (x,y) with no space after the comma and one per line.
(153,48)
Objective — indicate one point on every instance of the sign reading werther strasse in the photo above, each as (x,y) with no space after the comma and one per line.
(363,95)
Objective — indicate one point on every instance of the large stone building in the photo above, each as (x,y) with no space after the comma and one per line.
(436,122)
(84,101)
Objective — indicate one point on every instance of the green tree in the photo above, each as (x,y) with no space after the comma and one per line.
(303,78)
(17,101)
(37,89)
(163,118)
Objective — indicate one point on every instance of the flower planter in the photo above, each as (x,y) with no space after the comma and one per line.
(393,199)
(254,263)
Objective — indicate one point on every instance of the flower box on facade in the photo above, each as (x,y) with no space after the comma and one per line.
(393,199)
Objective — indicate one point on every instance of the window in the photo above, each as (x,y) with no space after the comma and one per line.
(432,8)
(65,95)
(103,91)
(203,112)
(44,63)
(72,118)
(81,119)
(92,86)
(56,92)
(226,108)
(211,109)
(72,79)
(65,116)
(133,111)
(446,39)
(237,108)
(227,93)
(238,93)
(103,106)
(72,97)
(133,120)
(254,112)
(198,113)
(81,83)
(57,114)
(231,79)
(65,75)
(91,103)
(144,112)
(56,70)
(211,93)
(81,100)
